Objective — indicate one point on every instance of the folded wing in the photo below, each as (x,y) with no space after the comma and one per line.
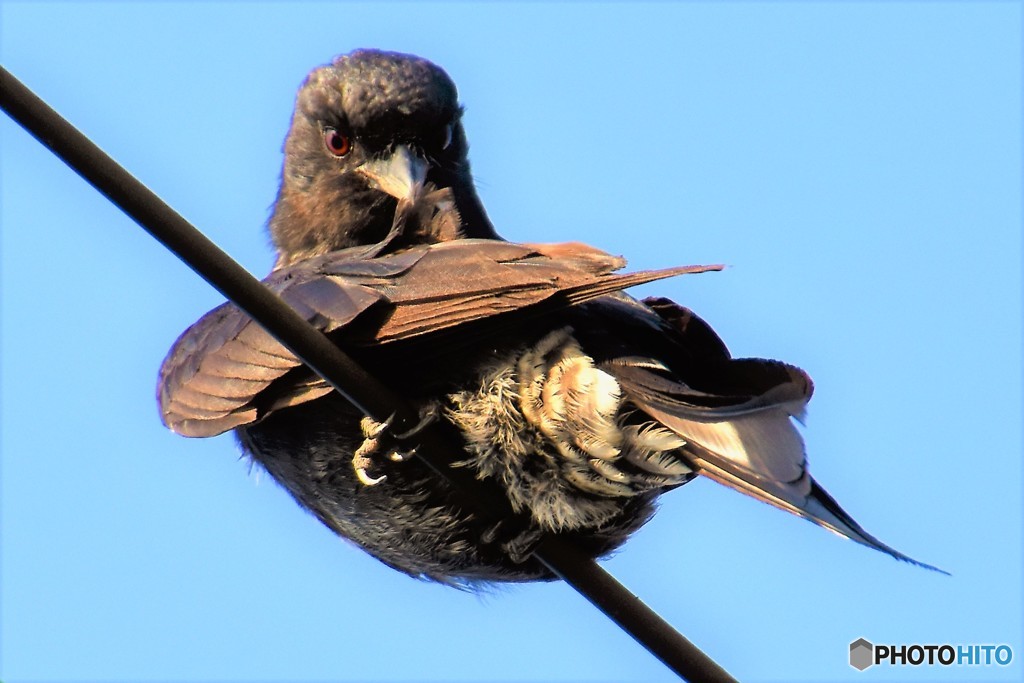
(226,371)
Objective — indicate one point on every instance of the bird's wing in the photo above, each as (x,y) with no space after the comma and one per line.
(738,422)
(218,374)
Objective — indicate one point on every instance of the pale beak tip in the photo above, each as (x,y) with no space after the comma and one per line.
(401,175)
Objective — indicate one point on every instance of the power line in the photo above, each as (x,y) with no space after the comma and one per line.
(345,375)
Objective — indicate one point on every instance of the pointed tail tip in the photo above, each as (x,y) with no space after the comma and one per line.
(823,509)
(864,538)
(924,565)
(861,537)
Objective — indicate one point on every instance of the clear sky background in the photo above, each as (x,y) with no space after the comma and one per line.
(858,165)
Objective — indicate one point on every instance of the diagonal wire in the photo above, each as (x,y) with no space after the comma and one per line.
(345,375)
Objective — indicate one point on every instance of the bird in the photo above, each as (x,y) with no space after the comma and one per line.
(578,403)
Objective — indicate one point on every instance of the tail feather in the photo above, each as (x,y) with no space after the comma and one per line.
(760,453)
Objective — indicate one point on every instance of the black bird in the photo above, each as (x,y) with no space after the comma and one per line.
(582,404)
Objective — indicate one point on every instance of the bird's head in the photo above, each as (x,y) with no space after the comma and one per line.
(369,129)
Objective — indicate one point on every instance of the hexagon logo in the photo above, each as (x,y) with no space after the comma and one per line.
(862,654)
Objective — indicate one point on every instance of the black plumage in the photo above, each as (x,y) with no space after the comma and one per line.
(581,403)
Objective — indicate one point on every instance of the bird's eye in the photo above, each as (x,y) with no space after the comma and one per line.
(337,143)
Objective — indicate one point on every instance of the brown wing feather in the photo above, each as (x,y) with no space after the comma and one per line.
(218,370)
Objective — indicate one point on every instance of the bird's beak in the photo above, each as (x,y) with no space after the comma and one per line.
(401,174)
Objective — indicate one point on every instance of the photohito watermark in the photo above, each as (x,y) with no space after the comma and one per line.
(864,653)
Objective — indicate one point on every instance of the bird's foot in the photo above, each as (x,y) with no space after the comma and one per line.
(377,441)
(516,542)
(521,547)
(373,438)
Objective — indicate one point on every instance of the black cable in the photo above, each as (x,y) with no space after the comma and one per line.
(331,363)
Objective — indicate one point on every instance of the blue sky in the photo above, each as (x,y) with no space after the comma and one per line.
(858,166)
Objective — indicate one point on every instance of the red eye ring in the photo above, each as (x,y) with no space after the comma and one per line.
(337,143)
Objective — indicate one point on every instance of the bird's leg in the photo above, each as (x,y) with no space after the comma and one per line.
(377,440)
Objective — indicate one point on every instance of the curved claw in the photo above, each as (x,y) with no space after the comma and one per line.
(428,415)
(361,464)
(395,456)
(366,479)
(372,429)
